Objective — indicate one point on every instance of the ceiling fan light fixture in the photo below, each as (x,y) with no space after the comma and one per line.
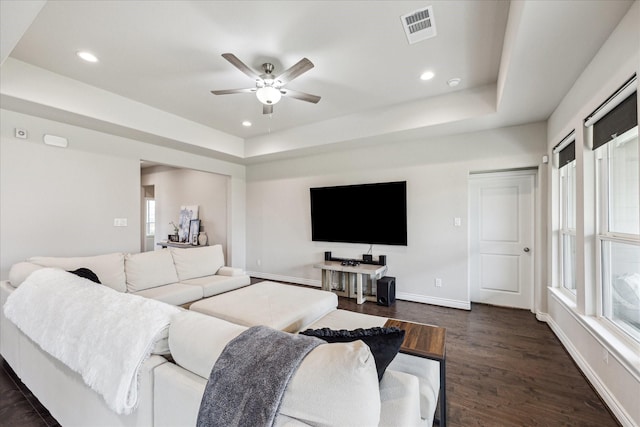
(268,95)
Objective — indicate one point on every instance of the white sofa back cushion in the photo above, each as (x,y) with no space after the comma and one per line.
(197,262)
(336,384)
(109,267)
(147,270)
(20,271)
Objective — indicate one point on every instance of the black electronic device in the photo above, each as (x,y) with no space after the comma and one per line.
(367,258)
(382,260)
(336,214)
(386,291)
(350,263)
(327,256)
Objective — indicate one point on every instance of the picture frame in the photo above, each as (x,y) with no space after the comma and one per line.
(194,230)
(187,213)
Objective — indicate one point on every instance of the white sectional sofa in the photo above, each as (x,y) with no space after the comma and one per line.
(173,275)
(336,384)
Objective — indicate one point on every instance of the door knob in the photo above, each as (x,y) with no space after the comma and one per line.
(526,249)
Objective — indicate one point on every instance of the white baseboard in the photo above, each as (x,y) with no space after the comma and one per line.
(289,279)
(613,404)
(444,302)
(405,296)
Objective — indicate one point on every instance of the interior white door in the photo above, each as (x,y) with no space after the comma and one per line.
(501,238)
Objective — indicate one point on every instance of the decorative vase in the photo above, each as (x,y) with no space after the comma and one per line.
(202,238)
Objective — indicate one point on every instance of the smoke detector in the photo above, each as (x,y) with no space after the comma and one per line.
(419,25)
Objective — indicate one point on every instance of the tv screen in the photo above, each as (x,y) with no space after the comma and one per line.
(366,213)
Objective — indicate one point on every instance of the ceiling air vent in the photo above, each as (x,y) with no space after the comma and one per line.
(419,25)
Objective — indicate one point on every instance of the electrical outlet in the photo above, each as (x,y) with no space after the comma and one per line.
(259,262)
(438,282)
(120,222)
(457,222)
(605,356)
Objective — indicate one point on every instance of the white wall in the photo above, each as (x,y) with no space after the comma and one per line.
(279,242)
(611,363)
(61,202)
(177,187)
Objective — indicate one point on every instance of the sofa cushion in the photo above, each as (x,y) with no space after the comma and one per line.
(173,293)
(149,270)
(197,262)
(383,342)
(217,284)
(20,271)
(196,340)
(400,400)
(108,267)
(336,384)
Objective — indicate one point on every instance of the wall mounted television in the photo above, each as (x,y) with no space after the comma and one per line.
(365,213)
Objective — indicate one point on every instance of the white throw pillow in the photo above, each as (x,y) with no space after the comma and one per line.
(109,267)
(197,262)
(20,271)
(149,270)
(336,384)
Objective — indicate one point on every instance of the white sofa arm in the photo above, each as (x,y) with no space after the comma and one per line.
(230,271)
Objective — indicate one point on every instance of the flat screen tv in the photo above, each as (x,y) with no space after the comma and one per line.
(366,213)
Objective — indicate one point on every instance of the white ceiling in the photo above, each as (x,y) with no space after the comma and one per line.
(516,61)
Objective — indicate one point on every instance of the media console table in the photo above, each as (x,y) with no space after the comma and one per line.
(359,272)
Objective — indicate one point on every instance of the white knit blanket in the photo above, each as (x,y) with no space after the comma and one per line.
(102,334)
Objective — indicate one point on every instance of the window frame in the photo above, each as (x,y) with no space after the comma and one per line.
(604,236)
(147,200)
(567,176)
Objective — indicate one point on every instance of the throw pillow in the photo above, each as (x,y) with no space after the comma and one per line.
(87,274)
(384,343)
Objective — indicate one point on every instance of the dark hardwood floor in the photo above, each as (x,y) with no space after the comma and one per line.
(504,368)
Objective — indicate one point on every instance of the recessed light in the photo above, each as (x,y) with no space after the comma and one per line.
(87,56)
(246,123)
(454,82)
(427,75)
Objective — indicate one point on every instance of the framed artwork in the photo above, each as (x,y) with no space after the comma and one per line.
(187,213)
(194,230)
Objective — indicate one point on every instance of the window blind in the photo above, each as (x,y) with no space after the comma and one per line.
(566,149)
(619,120)
(568,154)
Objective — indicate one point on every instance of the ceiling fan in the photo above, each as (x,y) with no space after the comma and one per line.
(269,88)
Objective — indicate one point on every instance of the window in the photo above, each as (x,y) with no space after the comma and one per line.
(567,154)
(618,206)
(150,217)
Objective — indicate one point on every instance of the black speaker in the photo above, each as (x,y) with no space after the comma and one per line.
(382,260)
(327,256)
(386,291)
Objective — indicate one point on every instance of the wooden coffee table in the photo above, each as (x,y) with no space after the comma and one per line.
(428,342)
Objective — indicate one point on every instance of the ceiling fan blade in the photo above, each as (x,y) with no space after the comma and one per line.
(300,95)
(294,71)
(231,91)
(267,109)
(240,65)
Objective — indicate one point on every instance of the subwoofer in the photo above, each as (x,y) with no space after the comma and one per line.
(386,291)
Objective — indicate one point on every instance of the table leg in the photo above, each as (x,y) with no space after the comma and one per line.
(443,394)
(359,297)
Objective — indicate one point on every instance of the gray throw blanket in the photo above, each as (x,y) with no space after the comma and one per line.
(248,380)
